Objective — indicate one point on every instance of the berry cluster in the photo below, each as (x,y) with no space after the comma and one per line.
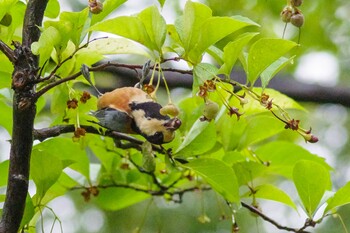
(292,14)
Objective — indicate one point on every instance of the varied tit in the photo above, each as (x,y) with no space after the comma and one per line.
(131,110)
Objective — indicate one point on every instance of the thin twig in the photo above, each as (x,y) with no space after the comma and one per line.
(53,72)
(100,68)
(273,222)
(10,54)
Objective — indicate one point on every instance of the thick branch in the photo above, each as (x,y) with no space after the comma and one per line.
(32,21)
(24,109)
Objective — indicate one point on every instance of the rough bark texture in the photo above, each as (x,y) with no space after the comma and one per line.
(24,109)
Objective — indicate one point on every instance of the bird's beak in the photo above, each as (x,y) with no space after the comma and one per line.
(173,124)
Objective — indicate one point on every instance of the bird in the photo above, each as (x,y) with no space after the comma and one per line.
(131,110)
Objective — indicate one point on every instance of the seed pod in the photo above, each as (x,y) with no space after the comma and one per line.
(286,14)
(297,19)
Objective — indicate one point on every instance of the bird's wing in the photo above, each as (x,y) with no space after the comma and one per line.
(114,119)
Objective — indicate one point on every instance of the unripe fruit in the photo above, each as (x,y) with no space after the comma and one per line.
(297,19)
(210,111)
(169,109)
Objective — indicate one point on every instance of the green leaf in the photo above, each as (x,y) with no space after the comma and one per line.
(52,9)
(108,7)
(247,171)
(45,169)
(311,180)
(340,198)
(72,155)
(5,80)
(212,30)
(2,198)
(147,28)
(282,157)
(4,168)
(127,26)
(29,212)
(114,198)
(77,24)
(201,73)
(273,69)
(232,50)
(109,46)
(263,53)
(59,188)
(104,153)
(49,39)
(6,115)
(216,53)
(161,2)
(200,139)
(219,175)
(189,25)
(155,26)
(198,30)
(254,107)
(271,192)
(258,128)
(6,6)
(230,131)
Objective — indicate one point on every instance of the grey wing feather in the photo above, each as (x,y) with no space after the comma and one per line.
(113,119)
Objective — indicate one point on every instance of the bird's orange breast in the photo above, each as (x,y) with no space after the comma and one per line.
(120,98)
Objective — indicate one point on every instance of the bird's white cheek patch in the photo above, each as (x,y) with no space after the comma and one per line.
(147,126)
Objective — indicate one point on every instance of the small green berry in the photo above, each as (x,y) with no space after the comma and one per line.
(210,111)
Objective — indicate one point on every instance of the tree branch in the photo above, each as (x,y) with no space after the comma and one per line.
(10,54)
(284,83)
(273,222)
(24,109)
(45,133)
(101,67)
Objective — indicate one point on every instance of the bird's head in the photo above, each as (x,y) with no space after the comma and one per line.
(152,125)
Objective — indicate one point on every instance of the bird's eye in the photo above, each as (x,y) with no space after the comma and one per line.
(148,118)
